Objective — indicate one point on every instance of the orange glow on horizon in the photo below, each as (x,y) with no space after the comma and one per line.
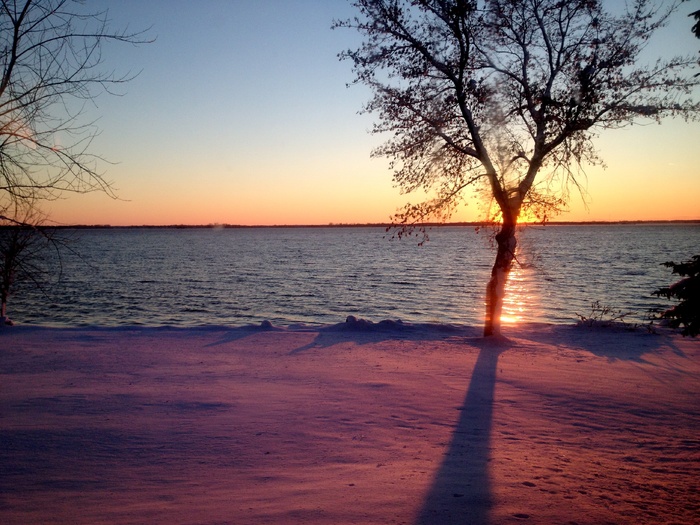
(98,209)
(637,185)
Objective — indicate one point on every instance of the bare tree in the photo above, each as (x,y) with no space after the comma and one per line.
(50,69)
(507,96)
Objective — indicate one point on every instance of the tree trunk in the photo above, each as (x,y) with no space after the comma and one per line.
(495,290)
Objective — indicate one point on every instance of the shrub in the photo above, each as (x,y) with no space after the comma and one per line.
(687,292)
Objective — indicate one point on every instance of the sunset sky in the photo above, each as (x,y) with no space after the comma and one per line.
(241,115)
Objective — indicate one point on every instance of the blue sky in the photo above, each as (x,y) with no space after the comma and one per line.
(241,114)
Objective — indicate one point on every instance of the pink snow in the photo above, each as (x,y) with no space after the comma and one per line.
(355,423)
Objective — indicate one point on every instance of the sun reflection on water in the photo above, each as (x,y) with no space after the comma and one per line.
(520,300)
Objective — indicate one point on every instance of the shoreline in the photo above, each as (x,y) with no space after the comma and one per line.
(388,327)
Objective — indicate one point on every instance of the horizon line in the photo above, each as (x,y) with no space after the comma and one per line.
(387,225)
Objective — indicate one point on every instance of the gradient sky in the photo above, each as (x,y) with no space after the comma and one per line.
(241,115)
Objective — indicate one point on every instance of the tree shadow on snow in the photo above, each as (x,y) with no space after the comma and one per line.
(461,491)
(616,342)
(234,334)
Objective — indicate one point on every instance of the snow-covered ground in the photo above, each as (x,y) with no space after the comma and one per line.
(354,423)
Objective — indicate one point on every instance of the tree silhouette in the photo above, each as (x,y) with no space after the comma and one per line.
(50,69)
(696,27)
(687,292)
(24,247)
(50,58)
(506,97)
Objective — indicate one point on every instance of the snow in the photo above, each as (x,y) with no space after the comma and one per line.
(353,423)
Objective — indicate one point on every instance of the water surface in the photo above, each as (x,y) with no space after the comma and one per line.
(233,277)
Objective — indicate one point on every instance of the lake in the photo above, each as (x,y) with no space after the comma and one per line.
(237,276)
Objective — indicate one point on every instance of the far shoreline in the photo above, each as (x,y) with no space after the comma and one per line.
(477,224)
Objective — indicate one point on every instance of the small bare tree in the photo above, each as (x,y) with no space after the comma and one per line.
(50,58)
(507,96)
(24,247)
